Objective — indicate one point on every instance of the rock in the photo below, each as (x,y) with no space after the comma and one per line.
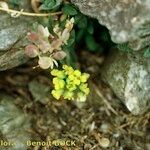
(127,20)
(11,30)
(104,142)
(13,124)
(38,94)
(12,33)
(129,77)
(12,59)
(25,5)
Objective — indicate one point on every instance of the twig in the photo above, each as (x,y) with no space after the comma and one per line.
(105,100)
(30,14)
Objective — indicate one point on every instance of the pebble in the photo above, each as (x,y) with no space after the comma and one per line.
(104,142)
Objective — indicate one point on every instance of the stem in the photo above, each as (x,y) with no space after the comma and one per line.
(30,14)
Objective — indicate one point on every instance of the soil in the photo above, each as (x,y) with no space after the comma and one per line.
(102,122)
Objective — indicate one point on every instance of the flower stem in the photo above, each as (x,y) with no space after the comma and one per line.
(30,14)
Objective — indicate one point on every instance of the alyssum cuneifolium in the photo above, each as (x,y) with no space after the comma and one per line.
(70,84)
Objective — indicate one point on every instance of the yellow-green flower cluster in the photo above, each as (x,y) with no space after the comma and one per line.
(70,84)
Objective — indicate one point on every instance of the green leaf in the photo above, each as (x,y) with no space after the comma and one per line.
(90,28)
(69,9)
(71,40)
(91,43)
(71,58)
(77,18)
(82,22)
(50,4)
(50,24)
(147,52)
(80,34)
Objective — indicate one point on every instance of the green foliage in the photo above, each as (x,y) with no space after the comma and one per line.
(91,43)
(84,28)
(50,4)
(90,34)
(81,21)
(69,9)
(71,40)
(87,33)
(90,28)
(70,50)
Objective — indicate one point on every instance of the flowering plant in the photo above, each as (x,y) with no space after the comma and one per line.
(70,84)
(48,47)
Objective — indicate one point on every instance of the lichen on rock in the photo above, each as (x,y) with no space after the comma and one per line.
(137,89)
(127,20)
(128,75)
(12,33)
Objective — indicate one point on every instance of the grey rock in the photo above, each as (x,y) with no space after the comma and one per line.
(13,124)
(11,30)
(129,77)
(13,58)
(25,5)
(38,94)
(127,20)
(12,35)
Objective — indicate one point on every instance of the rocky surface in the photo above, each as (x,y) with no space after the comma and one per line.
(11,30)
(129,77)
(38,94)
(12,58)
(12,33)
(14,124)
(127,20)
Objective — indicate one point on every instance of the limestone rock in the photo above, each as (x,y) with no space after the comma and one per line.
(12,59)
(38,94)
(127,20)
(13,124)
(129,77)
(13,32)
